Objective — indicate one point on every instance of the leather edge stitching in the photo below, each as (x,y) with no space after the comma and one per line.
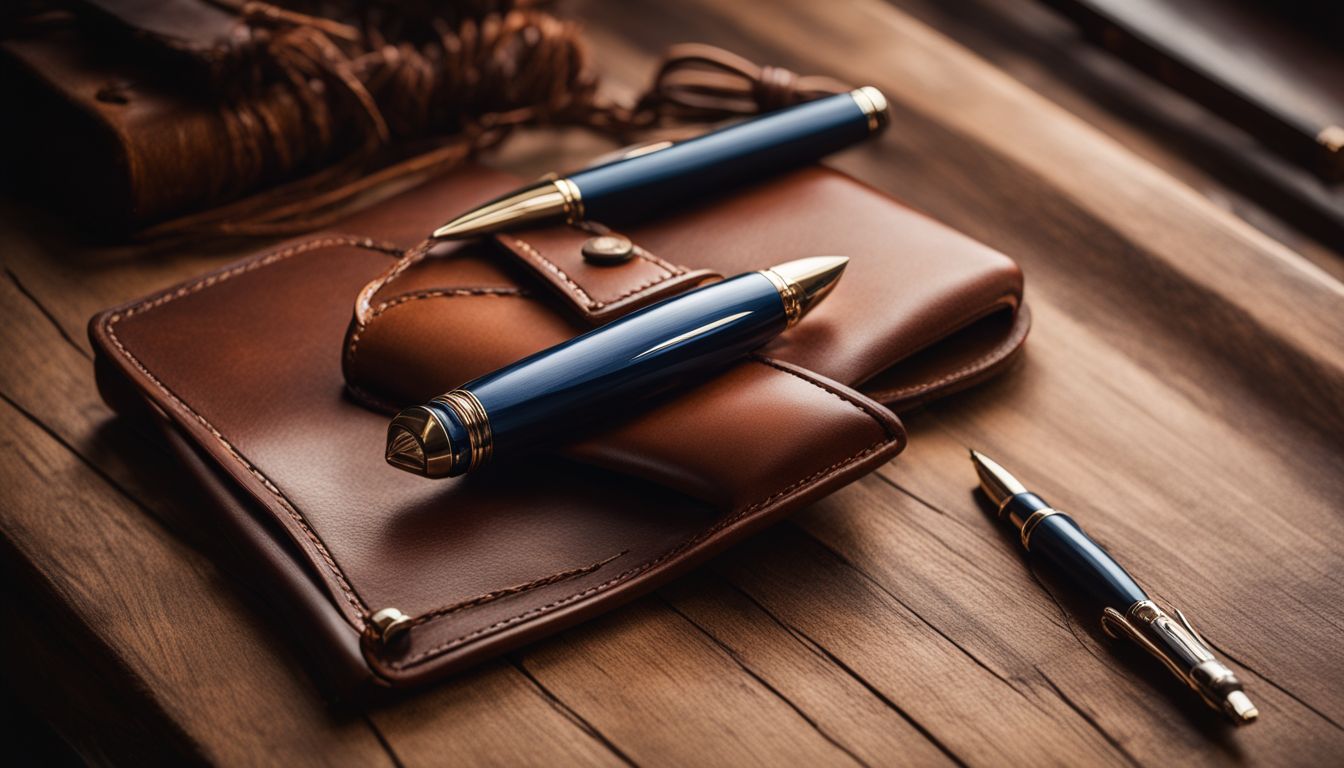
(496,594)
(578,291)
(109,326)
(1001,351)
(697,538)
(886,426)
(706,533)
(574,287)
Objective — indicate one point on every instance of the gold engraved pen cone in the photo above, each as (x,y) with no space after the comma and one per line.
(548,200)
(418,443)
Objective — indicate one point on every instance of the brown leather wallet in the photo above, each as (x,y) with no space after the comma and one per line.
(270,392)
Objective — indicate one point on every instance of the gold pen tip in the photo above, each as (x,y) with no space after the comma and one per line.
(446,232)
(811,279)
(1239,706)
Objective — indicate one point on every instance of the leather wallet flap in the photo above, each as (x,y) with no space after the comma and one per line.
(599,292)
(921,311)
(245,365)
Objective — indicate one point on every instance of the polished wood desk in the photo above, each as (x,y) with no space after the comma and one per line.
(1182,394)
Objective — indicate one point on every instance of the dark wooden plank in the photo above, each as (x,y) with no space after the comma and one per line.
(843,706)
(846,708)
(966,581)
(978,701)
(1240,534)
(493,715)
(666,693)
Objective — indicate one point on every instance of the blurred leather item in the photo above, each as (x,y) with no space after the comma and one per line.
(201,117)
(271,393)
(162,109)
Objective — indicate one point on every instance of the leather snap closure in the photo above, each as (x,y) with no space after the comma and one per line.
(608,249)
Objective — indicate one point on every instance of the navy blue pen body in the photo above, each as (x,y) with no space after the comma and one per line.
(1060,543)
(628,190)
(558,390)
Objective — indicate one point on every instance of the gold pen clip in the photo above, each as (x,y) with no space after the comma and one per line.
(1183,650)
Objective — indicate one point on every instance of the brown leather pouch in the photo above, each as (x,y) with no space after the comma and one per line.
(270,392)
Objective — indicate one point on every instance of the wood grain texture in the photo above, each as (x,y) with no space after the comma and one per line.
(493,715)
(1182,395)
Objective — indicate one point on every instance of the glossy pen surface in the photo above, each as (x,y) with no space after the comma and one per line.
(640,354)
(634,188)
(1055,540)
(557,391)
(641,185)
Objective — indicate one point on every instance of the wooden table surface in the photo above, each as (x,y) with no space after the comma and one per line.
(1182,394)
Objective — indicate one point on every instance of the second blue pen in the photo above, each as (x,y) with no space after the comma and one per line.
(640,186)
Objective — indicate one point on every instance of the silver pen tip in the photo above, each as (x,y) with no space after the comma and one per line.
(997,483)
(1239,706)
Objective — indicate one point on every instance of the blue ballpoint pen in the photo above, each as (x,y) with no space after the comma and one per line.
(635,186)
(554,392)
(1054,539)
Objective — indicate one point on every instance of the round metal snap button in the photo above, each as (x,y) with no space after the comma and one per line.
(608,249)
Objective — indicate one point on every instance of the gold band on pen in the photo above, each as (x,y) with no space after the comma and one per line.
(873,104)
(1032,522)
(573,199)
(475,420)
(789,293)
